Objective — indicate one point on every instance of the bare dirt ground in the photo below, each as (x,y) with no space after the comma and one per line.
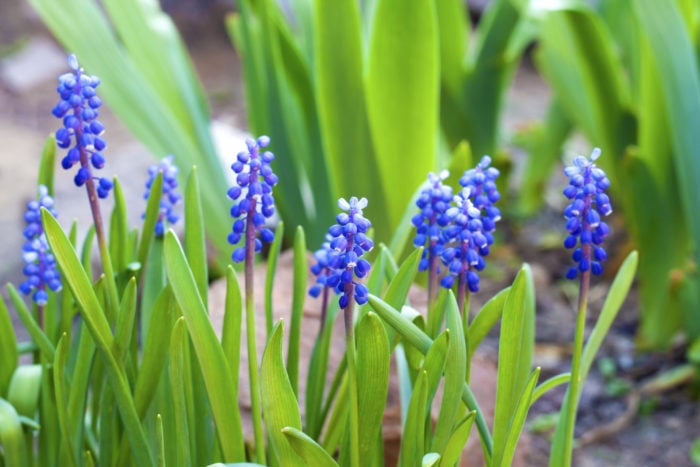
(624,419)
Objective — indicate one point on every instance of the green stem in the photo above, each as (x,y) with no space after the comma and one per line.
(255,398)
(482,427)
(576,382)
(352,376)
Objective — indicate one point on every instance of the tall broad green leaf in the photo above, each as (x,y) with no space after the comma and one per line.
(514,354)
(402,91)
(373,357)
(12,436)
(342,106)
(672,51)
(215,369)
(280,406)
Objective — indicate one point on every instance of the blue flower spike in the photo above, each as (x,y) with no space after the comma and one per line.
(473,221)
(589,202)
(39,263)
(349,242)
(322,268)
(170,196)
(252,196)
(81,132)
(470,243)
(434,200)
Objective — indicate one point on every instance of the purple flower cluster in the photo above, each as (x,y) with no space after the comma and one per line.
(252,195)
(322,268)
(434,201)
(586,190)
(458,230)
(340,261)
(170,196)
(39,263)
(81,131)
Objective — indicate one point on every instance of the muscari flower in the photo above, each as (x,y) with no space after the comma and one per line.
(252,195)
(170,196)
(470,243)
(81,131)
(586,190)
(349,242)
(40,264)
(322,268)
(434,201)
(473,221)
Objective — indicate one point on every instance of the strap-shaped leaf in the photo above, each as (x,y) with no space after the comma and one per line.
(298,296)
(307,448)
(280,407)
(215,369)
(373,358)
(402,92)
(8,349)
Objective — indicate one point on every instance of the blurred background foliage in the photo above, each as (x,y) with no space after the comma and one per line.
(364,98)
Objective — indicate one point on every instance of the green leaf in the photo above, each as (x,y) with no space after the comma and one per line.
(118,230)
(413,435)
(178,372)
(280,407)
(8,348)
(672,51)
(342,107)
(23,392)
(455,375)
(505,457)
(695,451)
(12,436)
(616,297)
(217,374)
(46,166)
(551,383)
(486,318)
(310,452)
(126,318)
(373,359)
(455,445)
(272,258)
(430,459)
(150,219)
(38,336)
(403,96)
(233,319)
(453,36)
(514,355)
(60,388)
(298,296)
(195,245)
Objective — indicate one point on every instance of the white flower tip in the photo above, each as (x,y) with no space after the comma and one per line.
(73,62)
(362,203)
(343,204)
(595,154)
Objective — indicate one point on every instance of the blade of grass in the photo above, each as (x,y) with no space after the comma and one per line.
(298,296)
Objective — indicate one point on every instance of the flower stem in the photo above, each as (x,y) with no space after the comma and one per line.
(255,401)
(576,377)
(352,376)
(112,295)
(432,275)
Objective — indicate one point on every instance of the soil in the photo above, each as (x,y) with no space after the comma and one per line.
(656,426)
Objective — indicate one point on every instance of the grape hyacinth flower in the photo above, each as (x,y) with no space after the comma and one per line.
(473,221)
(255,180)
(253,204)
(322,269)
(170,196)
(466,257)
(434,200)
(40,265)
(586,190)
(81,131)
(81,135)
(481,182)
(349,242)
